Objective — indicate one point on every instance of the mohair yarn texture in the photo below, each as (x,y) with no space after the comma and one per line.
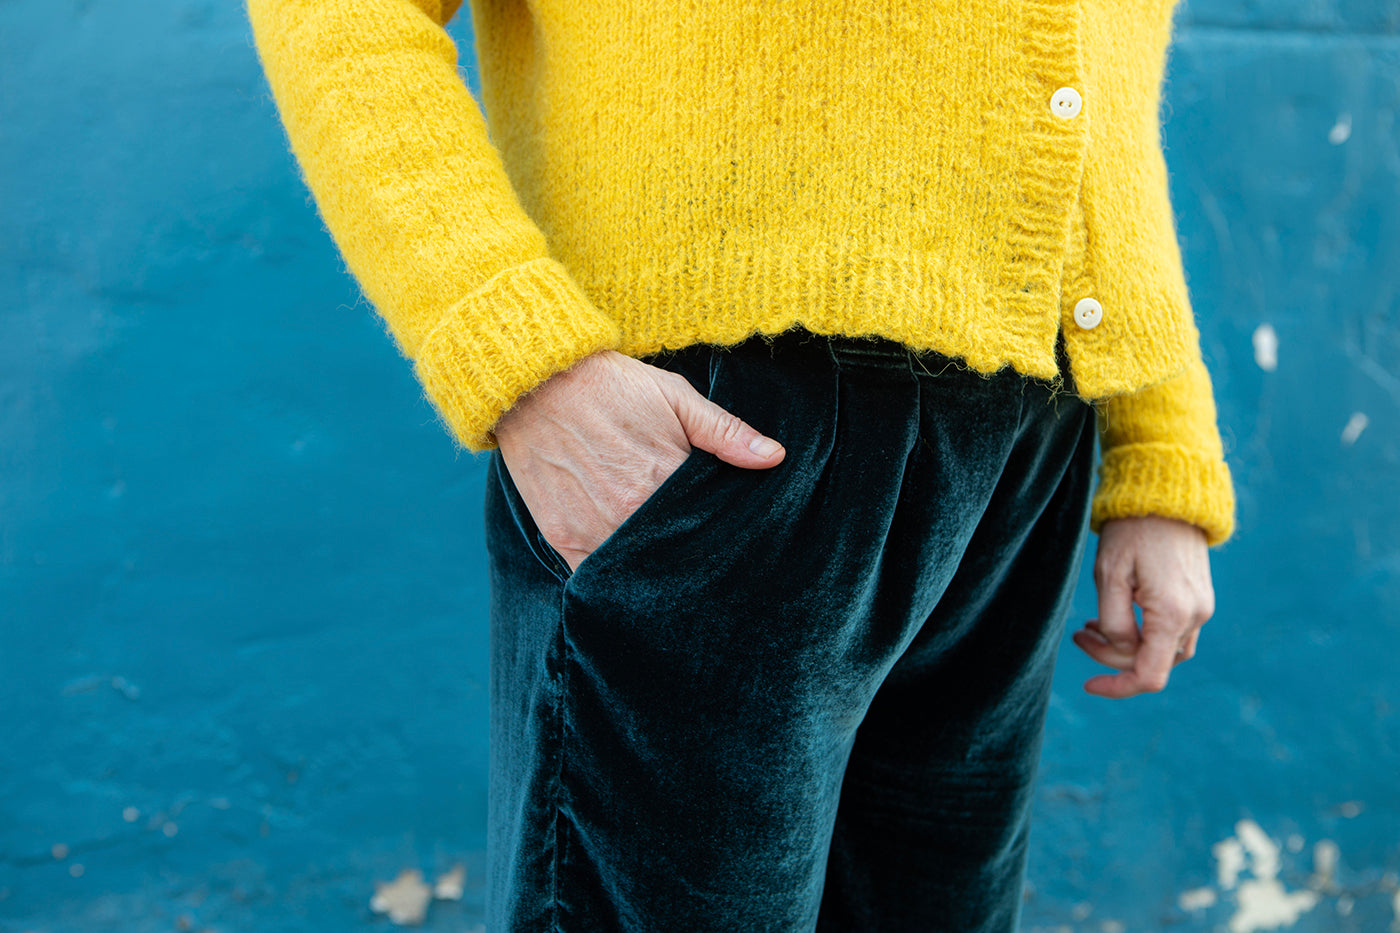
(650,174)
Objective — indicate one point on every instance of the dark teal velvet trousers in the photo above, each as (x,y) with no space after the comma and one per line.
(803,698)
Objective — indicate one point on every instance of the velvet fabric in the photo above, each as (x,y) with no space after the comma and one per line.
(809,697)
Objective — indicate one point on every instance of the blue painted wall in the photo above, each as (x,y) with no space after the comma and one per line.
(242,592)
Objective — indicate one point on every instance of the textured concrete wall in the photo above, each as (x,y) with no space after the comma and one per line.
(241,572)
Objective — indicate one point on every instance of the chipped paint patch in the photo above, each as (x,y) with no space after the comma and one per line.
(1248,864)
(1355,425)
(1266,347)
(1229,862)
(1341,130)
(405,899)
(1264,904)
(1326,855)
(450,885)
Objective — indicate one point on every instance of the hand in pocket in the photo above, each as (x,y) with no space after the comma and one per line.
(586,447)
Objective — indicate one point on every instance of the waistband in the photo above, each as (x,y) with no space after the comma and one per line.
(884,353)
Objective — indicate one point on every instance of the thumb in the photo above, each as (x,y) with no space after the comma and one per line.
(722,433)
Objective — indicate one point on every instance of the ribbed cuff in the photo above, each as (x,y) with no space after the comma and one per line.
(1167,480)
(523,326)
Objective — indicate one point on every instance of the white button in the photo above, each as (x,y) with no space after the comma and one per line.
(1088,313)
(1066,103)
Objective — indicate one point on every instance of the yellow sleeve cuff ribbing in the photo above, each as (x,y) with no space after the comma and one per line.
(1167,480)
(522,326)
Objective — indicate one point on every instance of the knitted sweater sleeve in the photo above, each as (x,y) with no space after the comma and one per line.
(1162,455)
(395,151)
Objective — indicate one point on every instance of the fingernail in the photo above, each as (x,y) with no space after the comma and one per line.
(764,446)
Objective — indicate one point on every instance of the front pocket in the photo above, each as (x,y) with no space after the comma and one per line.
(560,567)
(699,364)
(641,514)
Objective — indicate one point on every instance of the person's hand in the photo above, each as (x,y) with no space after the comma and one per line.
(589,445)
(1163,565)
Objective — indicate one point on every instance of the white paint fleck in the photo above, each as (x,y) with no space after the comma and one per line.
(170,829)
(1266,347)
(1263,853)
(1081,911)
(220,803)
(76,870)
(1261,902)
(1355,425)
(1395,906)
(1197,899)
(1326,854)
(59,851)
(131,814)
(1229,862)
(1295,843)
(1112,926)
(1265,905)
(450,885)
(405,899)
(1341,130)
(1345,905)
(126,688)
(1351,809)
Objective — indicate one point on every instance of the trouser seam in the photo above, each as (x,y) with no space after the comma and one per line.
(561,684)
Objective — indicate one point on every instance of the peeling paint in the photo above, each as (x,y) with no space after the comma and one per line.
(450,885)
(1341,130)
(1355,425)
(1263,854)
(1229,862)
(1197,899)
(1326,855)
(1261,902)
(1264,904)
(1266,347)
(405,899)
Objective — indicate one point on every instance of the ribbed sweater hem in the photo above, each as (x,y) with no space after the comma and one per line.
(532,316)
(1166,480)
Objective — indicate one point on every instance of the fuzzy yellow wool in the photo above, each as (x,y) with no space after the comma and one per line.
(649,174)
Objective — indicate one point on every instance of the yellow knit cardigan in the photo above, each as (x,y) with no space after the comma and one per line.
(966,177)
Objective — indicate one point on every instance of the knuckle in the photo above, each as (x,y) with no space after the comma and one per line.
(730,425)
(1207,607)
(1154,682)
(1174,607)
